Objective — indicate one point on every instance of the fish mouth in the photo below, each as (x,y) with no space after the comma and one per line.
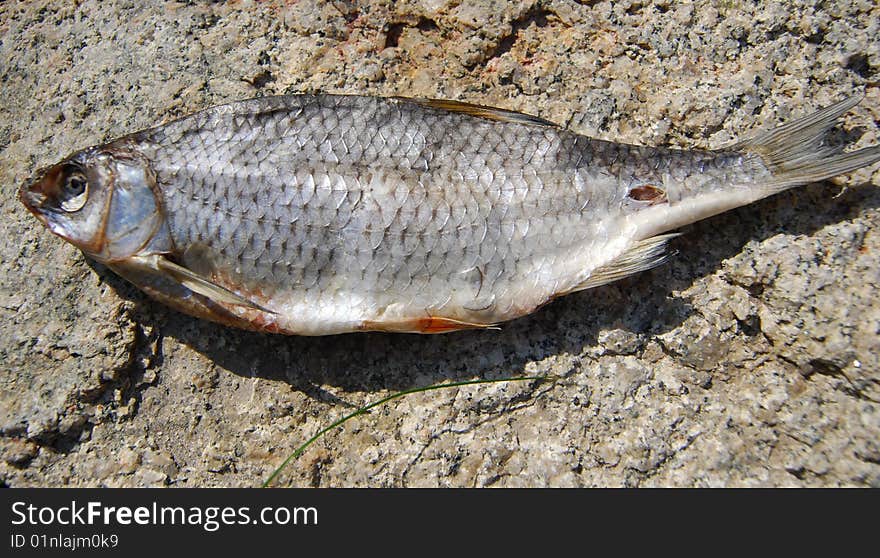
(32,197)
(36,193)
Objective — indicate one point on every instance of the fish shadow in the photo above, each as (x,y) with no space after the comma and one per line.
(643,305)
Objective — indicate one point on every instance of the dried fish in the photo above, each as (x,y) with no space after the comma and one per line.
(322,214)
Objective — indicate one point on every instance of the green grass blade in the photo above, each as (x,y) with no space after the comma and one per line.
(301,449)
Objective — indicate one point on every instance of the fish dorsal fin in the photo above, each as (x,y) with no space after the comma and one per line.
(641,256)
(196,283)
(489,113)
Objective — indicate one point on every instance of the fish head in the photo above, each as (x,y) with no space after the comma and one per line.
(102,200)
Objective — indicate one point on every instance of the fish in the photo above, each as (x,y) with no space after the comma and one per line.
(324,214)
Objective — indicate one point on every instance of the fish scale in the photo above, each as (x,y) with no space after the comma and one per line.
(317,214)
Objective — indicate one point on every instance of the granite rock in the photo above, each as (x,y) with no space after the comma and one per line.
(751,359)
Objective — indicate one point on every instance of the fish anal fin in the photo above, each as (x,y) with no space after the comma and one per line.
(425,324)
(640,256)
(196,283)
(489,113)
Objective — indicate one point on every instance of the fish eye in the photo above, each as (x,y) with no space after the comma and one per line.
(75,192)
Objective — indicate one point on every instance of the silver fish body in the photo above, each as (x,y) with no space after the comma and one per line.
(320,214)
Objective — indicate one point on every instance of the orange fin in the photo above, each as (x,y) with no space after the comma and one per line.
(427,324)
(490,113)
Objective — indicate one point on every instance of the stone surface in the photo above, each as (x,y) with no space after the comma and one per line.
(752,358)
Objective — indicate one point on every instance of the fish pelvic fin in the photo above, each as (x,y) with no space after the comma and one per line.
(642,255)
(196,283)
(796,153)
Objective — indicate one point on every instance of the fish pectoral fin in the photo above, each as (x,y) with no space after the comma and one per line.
(489,113)
(425,324)
(196,283)
(641,256)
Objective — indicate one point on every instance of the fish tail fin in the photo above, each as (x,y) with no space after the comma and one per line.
(796,152)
